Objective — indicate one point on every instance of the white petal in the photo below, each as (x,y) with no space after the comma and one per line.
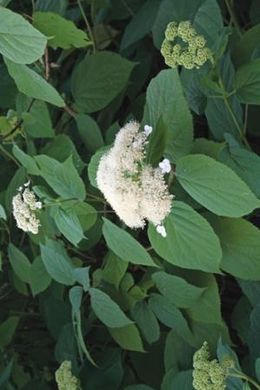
(165,166)
(161,230)
(147,130)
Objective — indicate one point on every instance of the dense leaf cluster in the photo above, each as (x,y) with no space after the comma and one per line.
(107,307)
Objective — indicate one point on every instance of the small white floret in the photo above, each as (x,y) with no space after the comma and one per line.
(147,130)
(161,230)
(165,166)
(38,205)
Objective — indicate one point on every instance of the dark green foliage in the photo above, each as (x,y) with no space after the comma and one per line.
(128,307)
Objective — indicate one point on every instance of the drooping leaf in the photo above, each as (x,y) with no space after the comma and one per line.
(7,330)
(20,263)
(128,337)
(107,310)
(125,246)
(32,84)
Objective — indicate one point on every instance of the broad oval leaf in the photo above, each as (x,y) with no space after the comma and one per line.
(247,82)
(125,246)
(107,310)
(240,241)
(32,84)
(176,289)
(165,101)
(19,40)
(215,186)
(57,263)
(20,263)
(98,79)
(190,242)
(128,337)
(61,32)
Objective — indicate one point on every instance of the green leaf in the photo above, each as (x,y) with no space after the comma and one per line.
(128,337)
(207,308)
(165,101)
(19,40)
(6,374)
(98,79)
(138,387)
(19,178)
(107,310)
(63,178)
(147,322)
(254,333)
(157,143)
(114,269)
(244,48)
(94,163)
(124,245)
(257,368)
(57,263)
(20,263)
(141,23)
(60,32)
(82,276)
(247,83)
(180,380)
(37,122)
(58,6)
(187,232)
(69,225)
(242,161)
(183,352)
(240,241)
(61,148)
(7,330)
(170,315)
(39,278)
(26,161)
(215,186)
(89,132)
(75,296)
(32,84)
(181,10)
(176,289)
(2,213)
(208,21)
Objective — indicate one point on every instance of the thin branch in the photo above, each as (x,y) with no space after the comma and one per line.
(70,111)
(84,16)
(47,64)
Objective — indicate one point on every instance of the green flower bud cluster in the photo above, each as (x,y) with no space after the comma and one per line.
(191,51)
(65,379)
(209,374)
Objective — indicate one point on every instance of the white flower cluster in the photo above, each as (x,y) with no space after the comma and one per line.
(135,190)
(24,210)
